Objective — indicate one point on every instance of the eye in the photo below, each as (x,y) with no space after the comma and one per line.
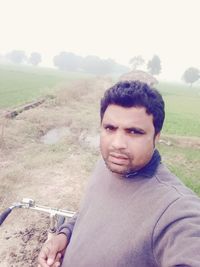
(109,128)
(135,132)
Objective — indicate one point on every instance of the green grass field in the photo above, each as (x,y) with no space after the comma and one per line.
(21,84)
(182,109)
(183,162)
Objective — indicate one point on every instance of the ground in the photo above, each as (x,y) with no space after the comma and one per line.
(53,173)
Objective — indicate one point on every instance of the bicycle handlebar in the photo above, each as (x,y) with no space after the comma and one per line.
(4,215)
(30,204)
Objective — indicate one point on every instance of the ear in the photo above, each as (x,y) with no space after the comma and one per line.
(157,137)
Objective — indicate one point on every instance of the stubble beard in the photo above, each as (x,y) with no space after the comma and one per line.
(122,172)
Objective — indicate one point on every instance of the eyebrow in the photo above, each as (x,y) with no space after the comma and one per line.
(129,129)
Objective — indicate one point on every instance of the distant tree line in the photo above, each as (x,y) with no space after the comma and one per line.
(67,61)
(153,66)
(19,57)
(91,64)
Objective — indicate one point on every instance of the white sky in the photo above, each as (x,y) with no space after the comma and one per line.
(117,29)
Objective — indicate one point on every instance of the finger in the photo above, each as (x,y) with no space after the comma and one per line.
(58,257)
(56,264)
(44,257)
(43,263)
(48,254)
(57,260)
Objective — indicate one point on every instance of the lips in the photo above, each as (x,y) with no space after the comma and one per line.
(117,158)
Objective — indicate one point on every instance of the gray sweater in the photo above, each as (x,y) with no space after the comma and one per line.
(141,222)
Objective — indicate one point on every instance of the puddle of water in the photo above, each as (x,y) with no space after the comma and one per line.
(54,135)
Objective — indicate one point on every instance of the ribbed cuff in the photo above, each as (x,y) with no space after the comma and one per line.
(66,232)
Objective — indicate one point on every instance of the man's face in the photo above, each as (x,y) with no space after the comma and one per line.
(127,138)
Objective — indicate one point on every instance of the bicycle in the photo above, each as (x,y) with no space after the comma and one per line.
(57,216)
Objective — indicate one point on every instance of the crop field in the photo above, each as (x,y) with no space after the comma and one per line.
(47,172)
(182,109)
(24,84)
(182,127)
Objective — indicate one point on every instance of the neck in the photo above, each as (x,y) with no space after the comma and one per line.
(149,169)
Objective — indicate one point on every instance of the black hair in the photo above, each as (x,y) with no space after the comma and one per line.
(136,94)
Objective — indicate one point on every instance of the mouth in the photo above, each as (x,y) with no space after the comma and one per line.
(117,158)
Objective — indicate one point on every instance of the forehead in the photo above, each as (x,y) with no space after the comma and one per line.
(128,117)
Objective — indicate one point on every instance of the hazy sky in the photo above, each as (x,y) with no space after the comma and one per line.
(117,29)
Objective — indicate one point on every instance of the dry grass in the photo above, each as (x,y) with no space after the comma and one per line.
(22,152)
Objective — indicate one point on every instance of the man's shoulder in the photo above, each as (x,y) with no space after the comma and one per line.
(170,182)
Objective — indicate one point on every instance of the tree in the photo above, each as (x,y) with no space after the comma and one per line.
(120,69)
(35,58)
(136,61)
(95,65)
(191,75)
(154,65)
(92,64)
(67,61)
(17,56)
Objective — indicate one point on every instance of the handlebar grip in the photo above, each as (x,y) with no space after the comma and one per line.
(4,215)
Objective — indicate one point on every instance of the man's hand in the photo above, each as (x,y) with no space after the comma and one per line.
(52,251)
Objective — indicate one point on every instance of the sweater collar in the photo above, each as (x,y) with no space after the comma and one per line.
(149,169)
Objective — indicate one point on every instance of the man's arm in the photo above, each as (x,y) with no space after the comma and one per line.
(67,228)
(54,249)
(176,238)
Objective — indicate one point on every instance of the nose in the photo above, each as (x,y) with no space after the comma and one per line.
(118,141)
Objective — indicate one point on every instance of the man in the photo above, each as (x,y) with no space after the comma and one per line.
(135,212)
